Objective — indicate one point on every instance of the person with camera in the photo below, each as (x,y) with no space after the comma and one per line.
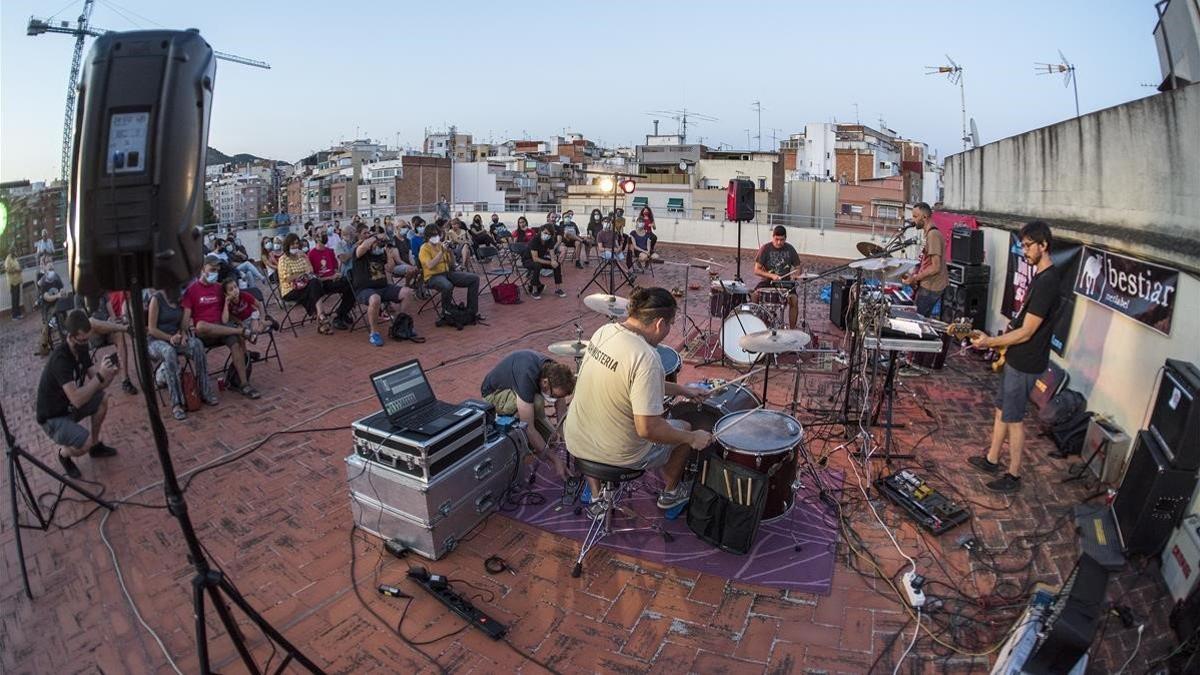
(369,273)
(70,390)
(435,257)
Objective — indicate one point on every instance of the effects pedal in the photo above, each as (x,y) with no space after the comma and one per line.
(924,504)
(439,587)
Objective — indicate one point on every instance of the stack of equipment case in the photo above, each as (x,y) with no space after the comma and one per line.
(967,295)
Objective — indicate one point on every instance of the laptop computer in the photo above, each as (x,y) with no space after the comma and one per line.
(409,403)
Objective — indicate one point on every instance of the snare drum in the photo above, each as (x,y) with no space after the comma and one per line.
(766,441)
(745,319)
(726,295)
(704,415)
(770,295)
(671,362)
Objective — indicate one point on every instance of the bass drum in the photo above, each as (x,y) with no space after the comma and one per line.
(671,362)
(704,415)
(745,319)
(766,441)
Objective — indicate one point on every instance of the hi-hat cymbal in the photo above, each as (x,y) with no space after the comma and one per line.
(613,306)
(574,348)
(774,341)
(868,249)
(712,263)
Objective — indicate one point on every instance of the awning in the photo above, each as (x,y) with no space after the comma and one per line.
(639,202)
(675,203)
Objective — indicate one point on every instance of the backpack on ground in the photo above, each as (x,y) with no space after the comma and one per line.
(456,315)
(506,293)
(402,329)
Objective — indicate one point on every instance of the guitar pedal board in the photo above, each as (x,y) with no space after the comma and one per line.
(922,502)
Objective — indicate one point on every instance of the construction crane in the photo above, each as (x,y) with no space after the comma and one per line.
(681,116)
(81,30)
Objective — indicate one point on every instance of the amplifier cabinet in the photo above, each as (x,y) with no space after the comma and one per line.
(960,273)
(1151,499)
(966,245)
(418,456)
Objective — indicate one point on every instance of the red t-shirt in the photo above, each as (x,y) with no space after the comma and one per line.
(324,262)
(205,301)
(116,303)
(243,307)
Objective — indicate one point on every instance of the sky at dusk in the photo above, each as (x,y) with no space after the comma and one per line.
(389,70)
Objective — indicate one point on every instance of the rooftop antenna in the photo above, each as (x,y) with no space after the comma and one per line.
(682,116)
(954,73)
(974,134)
(757,105)
(1068,72)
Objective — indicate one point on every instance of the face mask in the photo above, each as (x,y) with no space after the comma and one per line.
(276,247)
(607,226)
(295,251)
(378,250)
(545,237)
(229,248)
(210,277)
(435,240)
(51,275)
(306,247)
(550,400)
(495,220)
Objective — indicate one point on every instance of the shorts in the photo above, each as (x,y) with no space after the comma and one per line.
(403,269)
(505,402)
(659,453)
(1012,395)
(66,430)
(389,293)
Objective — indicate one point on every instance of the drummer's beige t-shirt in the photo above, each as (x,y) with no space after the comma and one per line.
(621,376)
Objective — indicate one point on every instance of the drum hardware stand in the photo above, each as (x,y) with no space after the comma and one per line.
(886,401)
(44,520)
(613,286)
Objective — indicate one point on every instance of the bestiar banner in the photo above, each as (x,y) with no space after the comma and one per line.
(1140,290)
(1065,255)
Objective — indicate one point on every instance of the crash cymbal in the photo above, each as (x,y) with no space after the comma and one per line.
(574,348)
(871,264)
(774,341)
(868,249)
(613,306)
(706,261)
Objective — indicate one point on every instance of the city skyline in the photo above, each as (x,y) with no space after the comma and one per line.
(539,69)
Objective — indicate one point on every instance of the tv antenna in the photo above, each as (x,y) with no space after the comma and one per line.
(954,73)
(974,134)
(1066,68)
(757,107)
(681,117)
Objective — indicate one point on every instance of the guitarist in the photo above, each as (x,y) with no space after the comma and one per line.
(1028,355)
(930,278)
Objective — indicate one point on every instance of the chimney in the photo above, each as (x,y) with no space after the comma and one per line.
(655,127)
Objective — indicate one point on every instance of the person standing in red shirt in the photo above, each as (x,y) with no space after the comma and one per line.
(203,306)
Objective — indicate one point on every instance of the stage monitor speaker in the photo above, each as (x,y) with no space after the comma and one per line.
(966,301)
(1175,421)
(137,174)
(1073,619)
(966,245)
(1152,497)
(839,301)
(739,200)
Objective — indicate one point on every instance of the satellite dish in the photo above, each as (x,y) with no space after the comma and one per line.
(974,134)
(683,165)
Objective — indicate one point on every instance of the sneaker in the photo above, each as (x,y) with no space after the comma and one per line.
(578,264)
(669,499)
(128,387)
(101,450)
(981,462)
(69,467)
(585,497)
(376,339)
(536,296)
(211,401)
(1006,484)
(560,292)
(341,324)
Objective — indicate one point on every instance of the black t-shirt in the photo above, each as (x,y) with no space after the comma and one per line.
(64,366)
(594,227)
(1033,355)
(542,248)
(520,371)
(370,271)
(778,260)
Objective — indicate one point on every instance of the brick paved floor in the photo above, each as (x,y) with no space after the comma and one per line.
(278,522)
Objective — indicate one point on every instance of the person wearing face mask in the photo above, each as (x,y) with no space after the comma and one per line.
(344,251)
(523,384)
(607,241)
(325,266)
(168,339)
(645,219)
(622,385)
(568,233)
(335,236)
(540,256)
(435,258)
(459,242)
(203,305)
(442,209)
(499,230)
(370,276)
(483,244)
(298,283)
(70,390)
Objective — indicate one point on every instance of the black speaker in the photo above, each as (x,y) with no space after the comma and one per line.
(966,301)
(1152,497)
(1073,620)
(1175,421)
(839,301)
(739,200)
(966,245)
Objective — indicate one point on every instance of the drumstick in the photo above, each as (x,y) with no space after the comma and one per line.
(704,473)
(739,484)
(728,490)
(745,413)
(719,387)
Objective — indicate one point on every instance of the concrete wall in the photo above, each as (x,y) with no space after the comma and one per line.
(474,183)
(1132,172)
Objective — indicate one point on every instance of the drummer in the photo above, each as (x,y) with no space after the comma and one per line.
(618,400)
(779,261)
(522,384)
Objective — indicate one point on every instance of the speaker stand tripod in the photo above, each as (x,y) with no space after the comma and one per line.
(16,472)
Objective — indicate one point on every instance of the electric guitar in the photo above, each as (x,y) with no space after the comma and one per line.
(962,330)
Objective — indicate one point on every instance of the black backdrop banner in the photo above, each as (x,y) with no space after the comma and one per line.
(1066,256)
(1140,290)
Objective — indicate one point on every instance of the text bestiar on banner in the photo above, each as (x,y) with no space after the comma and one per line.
(1136,288)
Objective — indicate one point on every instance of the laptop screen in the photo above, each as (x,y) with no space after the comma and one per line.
(401,388)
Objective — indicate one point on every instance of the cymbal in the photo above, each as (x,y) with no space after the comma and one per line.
(887,268)
(609,305)
(713,263)
(574,348)
(868,249)
(871,264)
(774,341)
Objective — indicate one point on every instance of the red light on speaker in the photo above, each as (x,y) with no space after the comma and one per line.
(628,186)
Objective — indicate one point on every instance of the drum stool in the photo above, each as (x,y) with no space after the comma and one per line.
(615,483)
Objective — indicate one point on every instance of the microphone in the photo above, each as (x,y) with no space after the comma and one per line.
(908,242)
(908,225)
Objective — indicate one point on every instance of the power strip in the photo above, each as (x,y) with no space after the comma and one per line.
(913,588)
(439,588)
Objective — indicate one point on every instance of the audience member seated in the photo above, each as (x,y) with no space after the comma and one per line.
(243,309)
(524,233)
(435,258)
(399,256)
(298,283)
(168,339)
(522,384)
(570,237)
(110,326)
(325,266)
(347,244)
(646,219)
(481,239)
(232,251)
(370,276)
(639,247)
(70,390)
(608,241)
(53,299)
(203,310)
(499,230)
(459,242)
(540,256)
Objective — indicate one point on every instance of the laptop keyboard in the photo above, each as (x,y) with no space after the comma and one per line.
(429,414)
